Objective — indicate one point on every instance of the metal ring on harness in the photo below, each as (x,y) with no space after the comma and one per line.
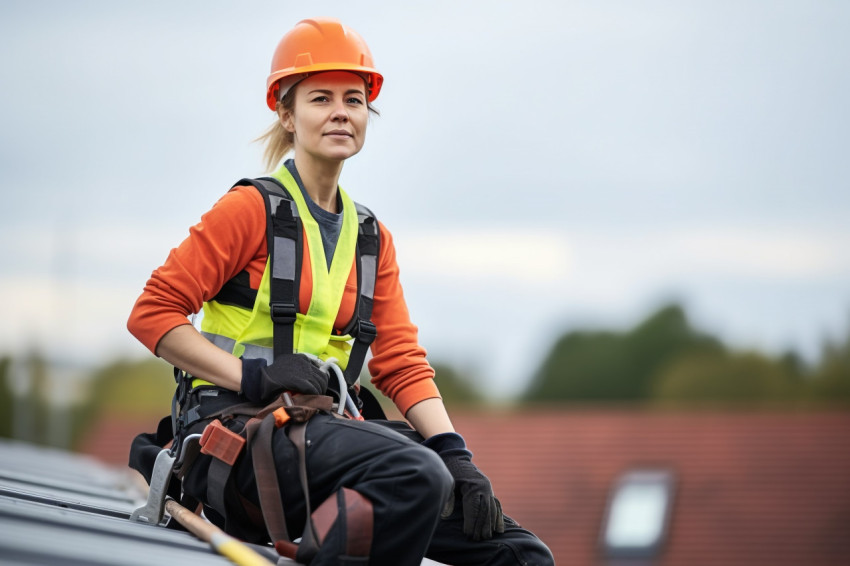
(345,400)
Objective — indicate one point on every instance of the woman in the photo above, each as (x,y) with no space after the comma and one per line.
(426,495)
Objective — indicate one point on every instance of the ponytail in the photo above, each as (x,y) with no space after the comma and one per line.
(278,142)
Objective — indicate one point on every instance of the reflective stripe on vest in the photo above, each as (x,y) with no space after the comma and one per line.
(248,350)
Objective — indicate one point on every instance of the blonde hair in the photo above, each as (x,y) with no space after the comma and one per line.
(278,142)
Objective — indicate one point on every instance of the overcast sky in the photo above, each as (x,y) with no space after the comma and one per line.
(543,166)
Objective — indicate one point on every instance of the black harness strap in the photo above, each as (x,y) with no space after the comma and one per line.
(284,236)
(310,542)
(218,478)
(362,328)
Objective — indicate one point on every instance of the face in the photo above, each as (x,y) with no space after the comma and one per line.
(329,116)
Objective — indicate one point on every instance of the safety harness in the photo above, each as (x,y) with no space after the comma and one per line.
(229,424)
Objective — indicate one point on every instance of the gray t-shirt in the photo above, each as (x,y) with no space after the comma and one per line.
(330,224)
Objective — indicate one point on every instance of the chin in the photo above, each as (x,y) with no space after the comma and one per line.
(341,155)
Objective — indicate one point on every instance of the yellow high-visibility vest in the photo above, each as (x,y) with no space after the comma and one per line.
(248,332)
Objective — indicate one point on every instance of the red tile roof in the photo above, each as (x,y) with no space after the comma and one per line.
(751,489)
(109,440)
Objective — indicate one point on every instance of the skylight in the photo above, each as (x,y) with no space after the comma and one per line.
(637,515)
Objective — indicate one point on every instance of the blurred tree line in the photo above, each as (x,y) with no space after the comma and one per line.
(24,411)
(663,361)
(124,387)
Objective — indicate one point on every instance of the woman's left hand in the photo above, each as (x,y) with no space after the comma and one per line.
(482,512)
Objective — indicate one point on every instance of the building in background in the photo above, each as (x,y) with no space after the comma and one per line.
(673,488)
(629,487)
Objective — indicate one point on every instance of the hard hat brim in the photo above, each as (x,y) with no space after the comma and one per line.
(374,80)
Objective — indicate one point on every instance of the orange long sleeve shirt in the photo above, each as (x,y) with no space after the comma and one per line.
(230,238)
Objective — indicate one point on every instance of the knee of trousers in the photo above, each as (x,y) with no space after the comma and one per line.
(526,549)
(433,480)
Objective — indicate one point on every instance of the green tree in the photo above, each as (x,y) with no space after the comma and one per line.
(736,378)
(661,338)
(34,405)
(6,399)
(612,366)
(831,380)
(455,387)
(582,366)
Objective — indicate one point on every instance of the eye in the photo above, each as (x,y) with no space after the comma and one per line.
(320,98)
(355,100)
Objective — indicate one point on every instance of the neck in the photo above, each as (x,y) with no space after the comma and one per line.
(321,179)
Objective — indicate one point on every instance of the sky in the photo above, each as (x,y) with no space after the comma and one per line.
(544,166)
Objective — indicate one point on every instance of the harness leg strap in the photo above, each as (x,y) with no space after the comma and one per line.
(348,510)
(224,446)
(259,434)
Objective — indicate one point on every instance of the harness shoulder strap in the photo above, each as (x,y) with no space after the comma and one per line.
(284,235)
(361,327)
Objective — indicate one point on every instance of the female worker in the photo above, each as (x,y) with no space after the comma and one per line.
(427,497)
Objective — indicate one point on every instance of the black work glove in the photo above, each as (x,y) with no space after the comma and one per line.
(296,373)
(482,512)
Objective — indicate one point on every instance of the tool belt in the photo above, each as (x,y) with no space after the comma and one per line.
(228,424)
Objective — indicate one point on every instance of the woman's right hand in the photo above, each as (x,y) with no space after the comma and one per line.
(292,372)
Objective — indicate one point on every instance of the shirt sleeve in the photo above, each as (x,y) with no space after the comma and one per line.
(229,238)
(398,366)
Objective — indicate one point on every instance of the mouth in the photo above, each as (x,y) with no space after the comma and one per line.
(339,133)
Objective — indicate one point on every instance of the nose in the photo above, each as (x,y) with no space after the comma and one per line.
(340,112)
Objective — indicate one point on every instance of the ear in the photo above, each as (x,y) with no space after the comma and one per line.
(286,120)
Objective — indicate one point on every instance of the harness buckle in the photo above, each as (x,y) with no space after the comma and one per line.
(366,331)
(282,313)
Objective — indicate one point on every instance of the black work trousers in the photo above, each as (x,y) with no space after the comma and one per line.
(406,483)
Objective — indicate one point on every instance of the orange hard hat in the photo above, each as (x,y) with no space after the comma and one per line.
(320,44)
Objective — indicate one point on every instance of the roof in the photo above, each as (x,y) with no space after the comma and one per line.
(751,488)
(59,508)
(62,508)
